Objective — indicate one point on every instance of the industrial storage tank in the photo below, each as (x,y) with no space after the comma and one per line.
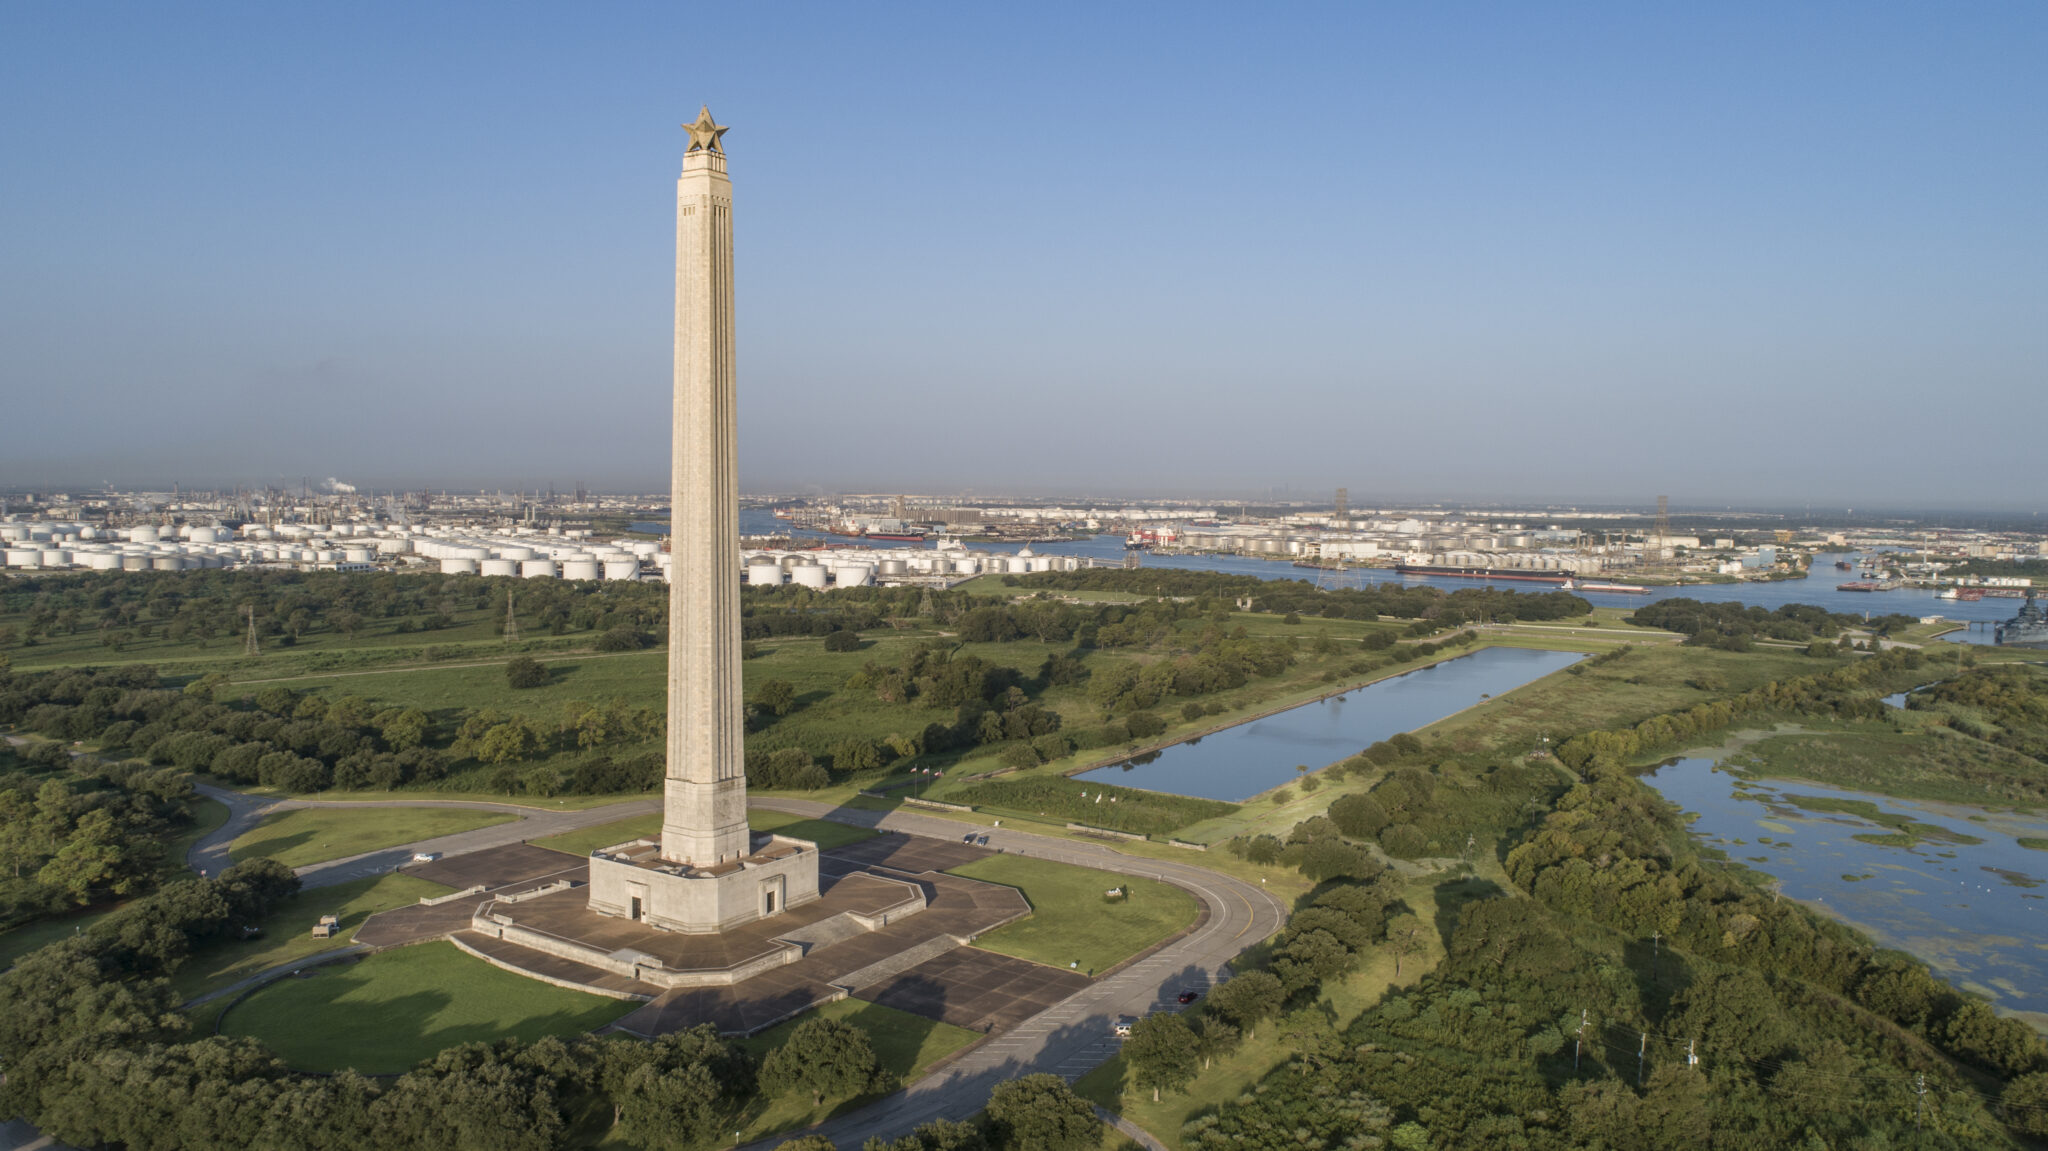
(516,552)
(496,567)
(101,561)
(397,547)
(56,558)
(852,575)
(894,568)
(537,569)
(142,535)
(581,567)
(205,535)
(808,575)
(359,555)
(24,557)
(457,565)
(764,573)
(168,563)
(622,569)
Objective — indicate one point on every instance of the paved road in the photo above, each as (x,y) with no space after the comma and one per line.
(1074,1035)
(210,855)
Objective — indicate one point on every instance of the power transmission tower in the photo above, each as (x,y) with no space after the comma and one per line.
(251,647)
(1343,503)
(511,619)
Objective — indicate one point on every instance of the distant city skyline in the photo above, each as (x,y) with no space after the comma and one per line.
(1586,254)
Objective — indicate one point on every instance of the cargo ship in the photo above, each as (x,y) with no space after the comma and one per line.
(1483,573)
(1869,585)
(892,530)
(1624,588)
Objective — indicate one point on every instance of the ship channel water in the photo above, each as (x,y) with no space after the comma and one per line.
(1241,761)
(1968,899)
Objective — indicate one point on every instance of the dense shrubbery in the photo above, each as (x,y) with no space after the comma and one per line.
(1445,609)
(1731,625)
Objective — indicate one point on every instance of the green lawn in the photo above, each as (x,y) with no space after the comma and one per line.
(19,941)
(1070,921)
(315,834)
(905,1045)
(288,931)
(393,1009)
(822,832)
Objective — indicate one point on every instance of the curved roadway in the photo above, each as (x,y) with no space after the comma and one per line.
(1072,1036)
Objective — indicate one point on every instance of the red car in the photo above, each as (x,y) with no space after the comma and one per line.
(1187,997)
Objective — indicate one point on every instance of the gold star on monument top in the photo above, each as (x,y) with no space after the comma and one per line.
(704,133)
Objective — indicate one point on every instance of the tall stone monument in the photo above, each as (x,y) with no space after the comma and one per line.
(707,872)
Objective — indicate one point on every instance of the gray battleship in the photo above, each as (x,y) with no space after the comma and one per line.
(2027,629)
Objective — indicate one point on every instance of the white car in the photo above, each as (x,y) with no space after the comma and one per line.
(425,856)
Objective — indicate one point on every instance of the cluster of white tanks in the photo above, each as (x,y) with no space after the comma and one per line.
(525,554)
(858,567)
(534,556)
(345,547)
(1530,561)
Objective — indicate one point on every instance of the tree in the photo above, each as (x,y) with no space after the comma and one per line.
(1404,937)
(806,1143)
(523,671)
(777,697)
(1358,816)
(843,641)
(1249,999)
(668,1110)
(1041,1113)
(1213,1037)
(823,1056)
(1162,1051)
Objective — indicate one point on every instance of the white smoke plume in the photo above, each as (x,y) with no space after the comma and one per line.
(330,484)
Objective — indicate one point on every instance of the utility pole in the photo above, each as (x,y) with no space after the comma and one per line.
(511,620)
(1579,1043)
(1920,1103)
(1691,1060)
(1642,1057)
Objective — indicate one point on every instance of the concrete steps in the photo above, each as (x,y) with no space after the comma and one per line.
(896,964)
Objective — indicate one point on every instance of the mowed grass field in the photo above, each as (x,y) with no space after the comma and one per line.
(1070,921)
(288,932)
(316,834)
(587,839)
(391,1010)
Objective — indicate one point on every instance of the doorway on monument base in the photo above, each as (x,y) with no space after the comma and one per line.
(637,902)
(772,896)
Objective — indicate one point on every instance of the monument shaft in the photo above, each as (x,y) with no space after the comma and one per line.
(704,820)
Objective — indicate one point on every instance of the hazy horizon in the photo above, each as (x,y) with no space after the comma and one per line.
(1582,255)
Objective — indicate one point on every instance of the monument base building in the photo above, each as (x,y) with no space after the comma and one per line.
(632,881)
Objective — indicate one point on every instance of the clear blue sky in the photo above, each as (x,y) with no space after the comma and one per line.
(1732,252)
